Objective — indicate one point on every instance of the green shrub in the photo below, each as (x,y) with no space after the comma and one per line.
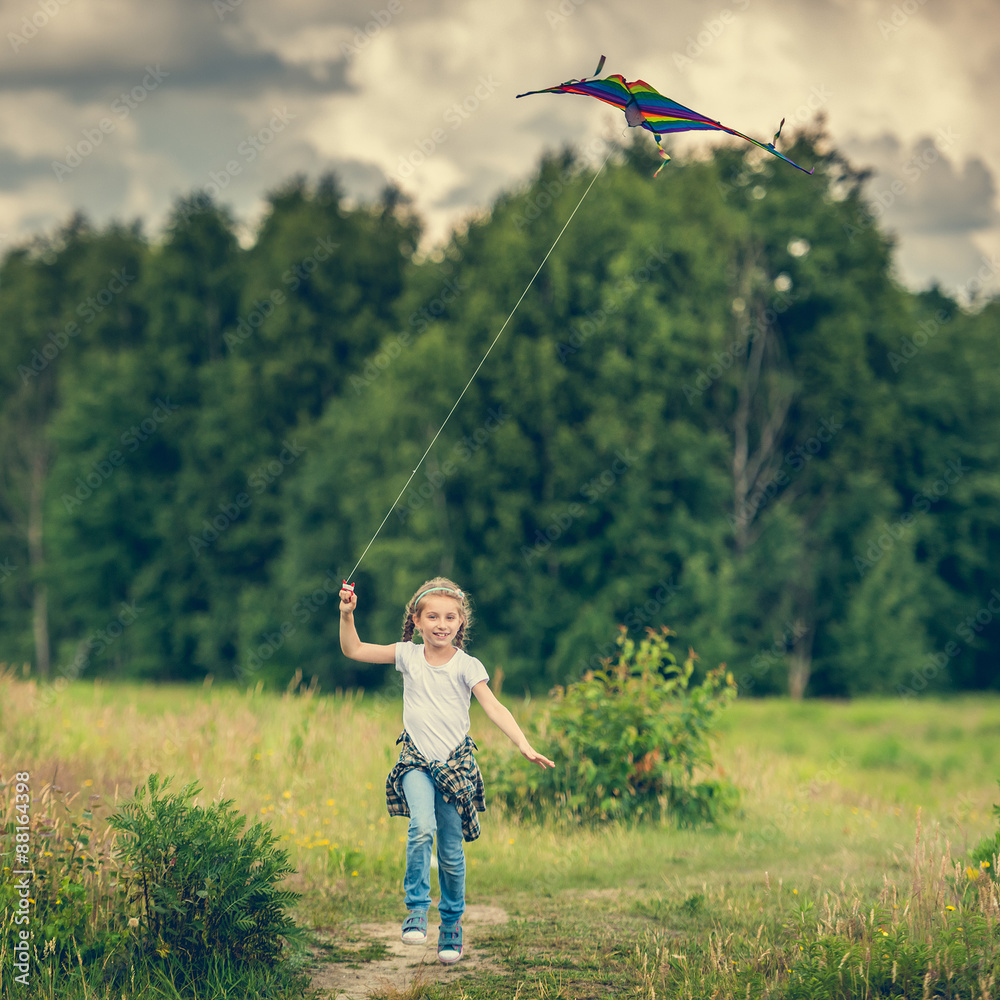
(630,742)
(205,888)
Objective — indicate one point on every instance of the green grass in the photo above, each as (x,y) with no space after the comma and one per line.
(823,848)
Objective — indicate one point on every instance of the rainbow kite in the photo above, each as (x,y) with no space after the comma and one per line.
(646,107)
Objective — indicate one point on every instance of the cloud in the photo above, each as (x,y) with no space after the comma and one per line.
(422,93)
(944,214)
(96,49)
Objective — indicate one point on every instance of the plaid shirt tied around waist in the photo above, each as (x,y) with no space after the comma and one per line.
(458,779)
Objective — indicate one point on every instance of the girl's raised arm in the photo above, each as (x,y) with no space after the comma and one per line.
(350,644)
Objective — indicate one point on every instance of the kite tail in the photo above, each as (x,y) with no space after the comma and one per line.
(663,156)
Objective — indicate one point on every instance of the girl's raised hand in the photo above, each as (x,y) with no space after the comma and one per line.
(348,600)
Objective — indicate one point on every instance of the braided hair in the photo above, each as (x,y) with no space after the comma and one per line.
(444,587)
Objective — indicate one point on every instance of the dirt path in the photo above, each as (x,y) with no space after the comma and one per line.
(404,964)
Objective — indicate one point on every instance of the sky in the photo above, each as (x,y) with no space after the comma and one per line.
(117,108)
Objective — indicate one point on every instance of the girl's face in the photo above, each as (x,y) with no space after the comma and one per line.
(438,619)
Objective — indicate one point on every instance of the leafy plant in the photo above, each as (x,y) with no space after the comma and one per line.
(205,887)
(631,741)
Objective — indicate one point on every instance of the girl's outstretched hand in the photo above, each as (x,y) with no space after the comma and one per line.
(536,758)
(348,600)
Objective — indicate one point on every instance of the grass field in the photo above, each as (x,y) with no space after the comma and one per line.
(855,822)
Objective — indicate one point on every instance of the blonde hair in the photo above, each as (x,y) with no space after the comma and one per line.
(446,588)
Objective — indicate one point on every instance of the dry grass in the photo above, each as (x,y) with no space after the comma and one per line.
(856,819)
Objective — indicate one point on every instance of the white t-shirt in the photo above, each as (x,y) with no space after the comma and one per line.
(436,699)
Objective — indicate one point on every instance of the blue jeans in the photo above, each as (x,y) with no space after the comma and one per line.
(429,813)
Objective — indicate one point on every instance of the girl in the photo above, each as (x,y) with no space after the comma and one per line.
(436,781)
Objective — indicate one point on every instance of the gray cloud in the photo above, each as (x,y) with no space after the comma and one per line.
(368,82)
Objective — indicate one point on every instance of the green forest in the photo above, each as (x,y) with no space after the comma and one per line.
(717,408)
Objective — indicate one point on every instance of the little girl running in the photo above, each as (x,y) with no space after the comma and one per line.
(436,781)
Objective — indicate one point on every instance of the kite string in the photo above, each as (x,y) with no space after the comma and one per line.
(480,365)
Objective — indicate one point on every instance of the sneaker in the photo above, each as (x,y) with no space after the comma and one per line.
(450,944)
(415,927)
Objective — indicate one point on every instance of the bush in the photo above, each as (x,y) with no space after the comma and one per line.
(205,889)
(630,742)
